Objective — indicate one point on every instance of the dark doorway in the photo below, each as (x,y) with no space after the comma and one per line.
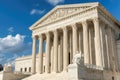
(1,67)
(29,69)
(112,78)
(69,57)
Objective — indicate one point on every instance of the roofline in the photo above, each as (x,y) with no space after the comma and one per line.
(76,5)
(109,14)
(62,6)
(27,57)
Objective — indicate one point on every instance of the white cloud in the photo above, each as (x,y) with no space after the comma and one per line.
(12,59)
(13,44)
(2,57)
(55,2)
(36,11)
(11,29)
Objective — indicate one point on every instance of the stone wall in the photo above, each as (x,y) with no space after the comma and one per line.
(1,75)
(11,76)
(118,53)
(25,62)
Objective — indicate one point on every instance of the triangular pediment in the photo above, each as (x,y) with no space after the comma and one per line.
(62,11)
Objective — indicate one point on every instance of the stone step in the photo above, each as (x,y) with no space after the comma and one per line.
(51,76)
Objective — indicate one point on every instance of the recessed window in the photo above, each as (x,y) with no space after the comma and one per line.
(29,69)
(44,68)
(25,69)
(112,78)
(21,69)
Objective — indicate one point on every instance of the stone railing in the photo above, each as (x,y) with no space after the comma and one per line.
(18,72)
(95,67)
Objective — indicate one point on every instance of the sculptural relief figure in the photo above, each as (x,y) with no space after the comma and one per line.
(78,58)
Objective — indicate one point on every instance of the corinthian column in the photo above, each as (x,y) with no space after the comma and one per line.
(86,42)
(98,50)
(75,47)
(59,58)
(80,41)
(103,46)
(47,67)
(65,49)
(61,53)
(34,55)
(55,51)
(40,54)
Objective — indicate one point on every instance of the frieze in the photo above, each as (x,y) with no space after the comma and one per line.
(62,12)
(80,15)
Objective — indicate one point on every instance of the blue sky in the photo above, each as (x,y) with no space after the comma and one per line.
(16,16)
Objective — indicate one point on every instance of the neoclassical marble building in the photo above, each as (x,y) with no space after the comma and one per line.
(68,30)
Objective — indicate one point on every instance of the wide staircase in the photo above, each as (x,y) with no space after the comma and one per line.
(50,76)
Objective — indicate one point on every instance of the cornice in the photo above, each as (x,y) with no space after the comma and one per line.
(101,9)
(107,20)
(27,57)
(78,5)
(108,15)
(64,6)
(68,16)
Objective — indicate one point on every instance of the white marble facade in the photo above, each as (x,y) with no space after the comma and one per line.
(68,30)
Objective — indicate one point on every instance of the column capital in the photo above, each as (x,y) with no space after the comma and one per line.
(34,37)
(84,23)
(47,33)
(55,31)
(40,35)
(74,26)
(64,28)
(96,19)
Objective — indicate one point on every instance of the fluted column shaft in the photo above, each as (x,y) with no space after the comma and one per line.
(90,45)
(80,41)
(40,54)
(52,59)
(34,55)
(103,46)
(86,42)
(112,56)
(61,53)
(65,49)
(55,51)
(75,47)
(98,50)
(71,47)
(114,48)
(59,57)
(47,67)
(108,47)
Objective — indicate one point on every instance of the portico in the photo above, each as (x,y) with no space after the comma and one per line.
(68,30)
(58,40)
